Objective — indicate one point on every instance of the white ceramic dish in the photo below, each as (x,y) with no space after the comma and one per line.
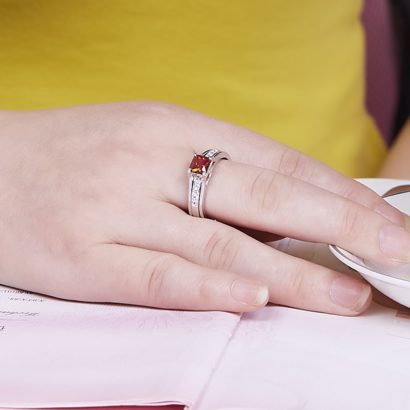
(394,285)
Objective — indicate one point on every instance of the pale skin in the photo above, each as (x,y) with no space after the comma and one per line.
(397,164)
(93,207)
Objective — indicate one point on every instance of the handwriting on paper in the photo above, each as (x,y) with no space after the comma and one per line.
(10,313)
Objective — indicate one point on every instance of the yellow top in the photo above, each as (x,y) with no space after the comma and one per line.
(290,70)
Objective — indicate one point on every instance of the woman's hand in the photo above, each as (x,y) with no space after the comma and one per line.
(93,206)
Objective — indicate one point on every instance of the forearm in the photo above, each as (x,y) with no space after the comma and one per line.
(397,163)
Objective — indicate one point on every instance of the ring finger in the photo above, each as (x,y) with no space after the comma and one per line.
(265,200)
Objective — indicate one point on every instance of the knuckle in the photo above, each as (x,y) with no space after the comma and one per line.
(124,131)
(263,194)
(156,275)
(221,250)
(292,163)
(296,287)
(349,190)
(350,222)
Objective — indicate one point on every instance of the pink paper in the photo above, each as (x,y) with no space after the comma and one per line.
(55,353)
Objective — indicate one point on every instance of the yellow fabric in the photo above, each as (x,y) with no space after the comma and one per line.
(290,70)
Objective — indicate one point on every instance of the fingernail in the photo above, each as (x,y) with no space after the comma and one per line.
(249,293)
(395,242)
(349,293)
(391,213)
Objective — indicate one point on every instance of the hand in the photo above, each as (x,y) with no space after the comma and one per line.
(93,207)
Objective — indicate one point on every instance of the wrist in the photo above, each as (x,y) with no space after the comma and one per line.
(5,120)
(4,114)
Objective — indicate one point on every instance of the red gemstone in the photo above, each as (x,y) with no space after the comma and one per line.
(199,164)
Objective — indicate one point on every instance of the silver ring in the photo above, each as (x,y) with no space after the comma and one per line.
(200,172)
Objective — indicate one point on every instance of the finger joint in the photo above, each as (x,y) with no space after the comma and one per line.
(221,250)
(292,163)
(350,222)
(157,274)
(263,194)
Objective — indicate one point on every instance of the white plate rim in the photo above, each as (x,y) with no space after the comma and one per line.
(366,271)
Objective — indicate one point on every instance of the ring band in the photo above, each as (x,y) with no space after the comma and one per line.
(200,172)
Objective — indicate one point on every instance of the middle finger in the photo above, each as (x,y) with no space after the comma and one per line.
(257,198)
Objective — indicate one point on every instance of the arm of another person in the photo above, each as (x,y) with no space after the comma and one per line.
(397,164)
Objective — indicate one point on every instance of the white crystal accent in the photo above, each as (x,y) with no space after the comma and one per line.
(196,185)
(211,153)
(196,189)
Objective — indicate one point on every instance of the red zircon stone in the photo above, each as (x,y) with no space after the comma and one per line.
(199,164)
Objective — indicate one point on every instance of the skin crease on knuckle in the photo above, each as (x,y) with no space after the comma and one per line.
(293,287)
(220,250)
(349,224)
(260,194)
(155,277)
(293,164)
